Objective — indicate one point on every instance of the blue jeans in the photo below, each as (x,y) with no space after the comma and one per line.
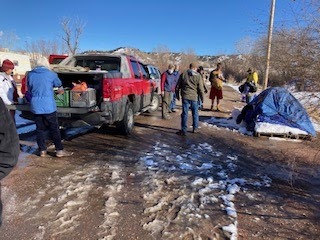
(50,122)
(193,105)
(173,101)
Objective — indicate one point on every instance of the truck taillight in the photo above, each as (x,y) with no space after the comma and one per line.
(106,89)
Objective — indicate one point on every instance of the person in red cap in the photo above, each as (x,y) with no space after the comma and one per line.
(8,88)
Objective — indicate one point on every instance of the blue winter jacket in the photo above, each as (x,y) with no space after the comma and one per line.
(41,82)
(168,81)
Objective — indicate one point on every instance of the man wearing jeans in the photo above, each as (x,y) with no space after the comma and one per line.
(41,81)
(190,85)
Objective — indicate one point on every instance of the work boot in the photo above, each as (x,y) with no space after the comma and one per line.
(43,153)
(63,153)
(181,133)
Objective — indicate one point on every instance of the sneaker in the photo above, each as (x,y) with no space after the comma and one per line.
(63,153)
(195,130)
(181,133)
(43,153)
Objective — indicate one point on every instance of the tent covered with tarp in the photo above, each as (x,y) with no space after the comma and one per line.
(277,106)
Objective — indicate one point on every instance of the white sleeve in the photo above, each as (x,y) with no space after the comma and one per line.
(4,91)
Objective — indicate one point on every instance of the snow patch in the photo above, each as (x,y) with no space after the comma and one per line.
(199,181)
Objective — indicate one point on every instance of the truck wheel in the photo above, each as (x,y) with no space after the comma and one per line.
(155,103)
(126,125)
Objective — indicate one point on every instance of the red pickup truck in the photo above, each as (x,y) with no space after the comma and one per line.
(119,87)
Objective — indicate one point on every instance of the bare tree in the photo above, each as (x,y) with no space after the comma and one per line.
(296,49)
(163,57)
(44,48)
(188,56)
(72,31)
(245,46)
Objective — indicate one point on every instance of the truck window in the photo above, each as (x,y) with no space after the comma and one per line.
(103,64)
(158,73)
(135,68)
(153,70)
(144,71)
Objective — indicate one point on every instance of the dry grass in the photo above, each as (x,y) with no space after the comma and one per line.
(314,112)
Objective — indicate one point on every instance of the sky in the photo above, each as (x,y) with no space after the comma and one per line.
(208,27)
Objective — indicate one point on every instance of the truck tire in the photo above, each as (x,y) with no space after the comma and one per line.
(155,103)
(126,125)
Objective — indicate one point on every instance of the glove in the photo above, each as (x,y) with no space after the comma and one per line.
(60,90)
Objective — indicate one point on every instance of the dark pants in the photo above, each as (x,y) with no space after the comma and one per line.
(166,100)
(49,122)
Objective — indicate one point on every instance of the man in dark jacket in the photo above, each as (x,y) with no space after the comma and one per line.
(168,81)
(9,145)
(190,85)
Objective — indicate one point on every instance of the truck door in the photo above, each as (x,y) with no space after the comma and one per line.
(146,85)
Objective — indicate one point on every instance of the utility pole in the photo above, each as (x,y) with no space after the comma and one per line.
(266,76)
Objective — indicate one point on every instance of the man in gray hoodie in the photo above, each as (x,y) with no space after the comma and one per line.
(9,145)
(190,86)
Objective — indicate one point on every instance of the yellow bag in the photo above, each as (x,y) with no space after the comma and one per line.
(217,83)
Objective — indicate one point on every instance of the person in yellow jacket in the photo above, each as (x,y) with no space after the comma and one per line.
(252,77)
(250,85)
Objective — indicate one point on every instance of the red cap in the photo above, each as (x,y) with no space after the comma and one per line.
(6,65)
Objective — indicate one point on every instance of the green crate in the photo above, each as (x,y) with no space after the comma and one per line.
(62,100)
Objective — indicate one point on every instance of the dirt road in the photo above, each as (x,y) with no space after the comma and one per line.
(216,184)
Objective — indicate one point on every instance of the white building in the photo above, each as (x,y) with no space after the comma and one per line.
(21,63)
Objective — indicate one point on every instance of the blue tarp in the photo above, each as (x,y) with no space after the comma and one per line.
(277,105)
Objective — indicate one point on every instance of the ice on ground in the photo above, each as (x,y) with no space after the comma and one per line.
(264,127)
(69,199)
(201,178)
(233,229)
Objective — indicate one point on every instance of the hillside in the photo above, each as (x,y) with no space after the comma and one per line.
(152,57)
